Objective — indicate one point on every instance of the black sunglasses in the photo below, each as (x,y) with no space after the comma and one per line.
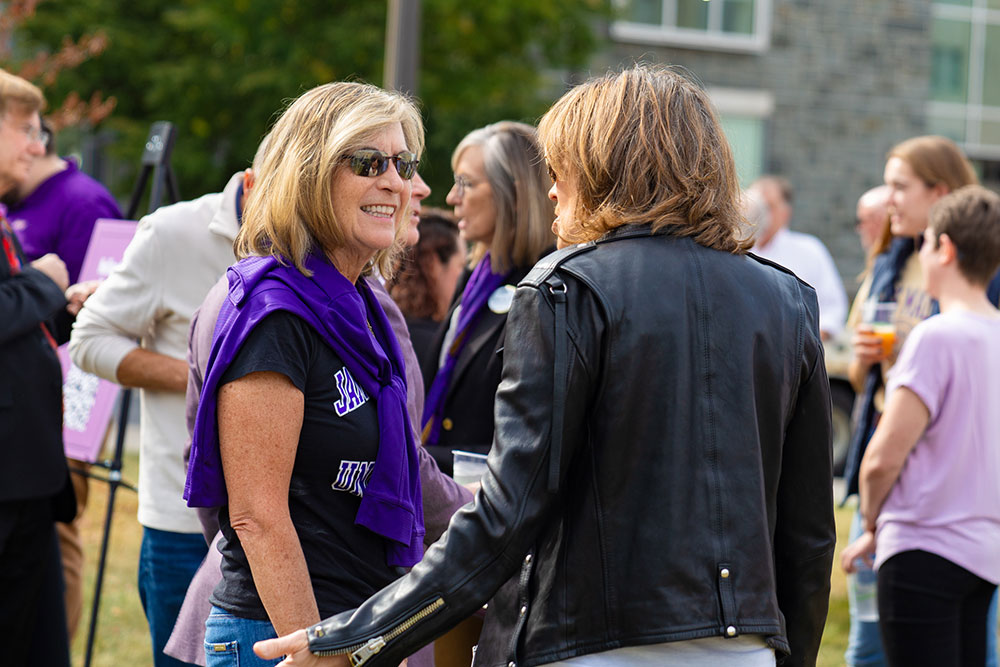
(370,162)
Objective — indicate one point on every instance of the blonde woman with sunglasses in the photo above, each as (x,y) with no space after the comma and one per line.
(302,436)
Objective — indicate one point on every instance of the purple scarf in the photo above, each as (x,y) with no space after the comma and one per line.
(353,324)
(482,283)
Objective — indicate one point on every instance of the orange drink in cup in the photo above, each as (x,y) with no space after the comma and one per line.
(878,316)
(886,331)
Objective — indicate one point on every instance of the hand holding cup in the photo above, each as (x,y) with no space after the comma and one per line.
(875,338)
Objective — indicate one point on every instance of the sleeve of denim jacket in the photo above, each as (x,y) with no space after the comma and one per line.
(805,533)
(487,541)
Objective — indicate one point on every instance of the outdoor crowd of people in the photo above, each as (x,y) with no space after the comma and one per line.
(634,345)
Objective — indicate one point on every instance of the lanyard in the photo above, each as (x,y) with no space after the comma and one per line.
(15,267)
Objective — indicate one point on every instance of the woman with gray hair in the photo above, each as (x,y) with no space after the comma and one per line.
(302,436)
(502,209)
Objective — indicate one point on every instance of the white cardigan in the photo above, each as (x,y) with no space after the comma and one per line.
(177,254)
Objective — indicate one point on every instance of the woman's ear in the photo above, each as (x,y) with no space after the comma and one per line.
(947,252)
(939,190)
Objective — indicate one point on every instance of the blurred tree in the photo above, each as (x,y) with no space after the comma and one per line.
(221,69)
(42,66)
(502,60)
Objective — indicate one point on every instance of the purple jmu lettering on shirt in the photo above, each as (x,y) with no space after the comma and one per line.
(352,396)
(353,477)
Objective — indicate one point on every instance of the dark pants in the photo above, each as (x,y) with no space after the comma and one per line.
(28,570)
(50,648)
(931,611)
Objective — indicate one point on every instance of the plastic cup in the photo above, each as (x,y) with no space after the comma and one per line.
(878,315)
(468,466)
(887,334)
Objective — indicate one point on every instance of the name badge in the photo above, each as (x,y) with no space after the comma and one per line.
(499,302)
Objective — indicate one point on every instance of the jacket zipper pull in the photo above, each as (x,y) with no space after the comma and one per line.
(362,655)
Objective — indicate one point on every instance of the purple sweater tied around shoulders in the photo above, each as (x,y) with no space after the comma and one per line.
(353,324)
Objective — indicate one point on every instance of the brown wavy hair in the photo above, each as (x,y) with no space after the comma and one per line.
(411,287)
(645,146)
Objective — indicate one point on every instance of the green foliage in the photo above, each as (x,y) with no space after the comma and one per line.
(490,61)
(220,70)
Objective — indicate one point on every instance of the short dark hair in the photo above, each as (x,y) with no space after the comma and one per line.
(50,148)
(411,287)
(970,216)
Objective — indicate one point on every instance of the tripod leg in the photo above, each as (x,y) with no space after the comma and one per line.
(172,185)
(100,573)
(140,187)
(114,481)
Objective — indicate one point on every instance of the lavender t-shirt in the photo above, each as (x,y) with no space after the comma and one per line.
(947,498)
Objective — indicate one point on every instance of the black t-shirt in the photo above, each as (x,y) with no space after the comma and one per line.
(335,456)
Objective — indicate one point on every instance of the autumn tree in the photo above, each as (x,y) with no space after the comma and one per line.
(43,65)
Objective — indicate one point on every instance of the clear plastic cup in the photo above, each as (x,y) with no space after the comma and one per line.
(468,466)
(879,318)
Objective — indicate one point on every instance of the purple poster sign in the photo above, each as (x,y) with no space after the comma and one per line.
(88,401)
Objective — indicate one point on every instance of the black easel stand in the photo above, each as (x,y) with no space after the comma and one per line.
(155,160)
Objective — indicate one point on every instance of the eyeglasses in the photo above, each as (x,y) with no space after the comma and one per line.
(371,163)
(462,184)
(40,135)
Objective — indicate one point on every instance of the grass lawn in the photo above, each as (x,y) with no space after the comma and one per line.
(831,651)
(122,634)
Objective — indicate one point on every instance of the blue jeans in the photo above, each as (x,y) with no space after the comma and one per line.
(167,562)
(229,640)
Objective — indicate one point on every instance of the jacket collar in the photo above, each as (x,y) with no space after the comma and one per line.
(224,221)
(628,232)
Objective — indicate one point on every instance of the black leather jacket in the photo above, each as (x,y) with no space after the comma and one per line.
(694,496)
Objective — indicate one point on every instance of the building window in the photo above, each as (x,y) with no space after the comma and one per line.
(989,173)
(718,25)
(744,115)
(965,75)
